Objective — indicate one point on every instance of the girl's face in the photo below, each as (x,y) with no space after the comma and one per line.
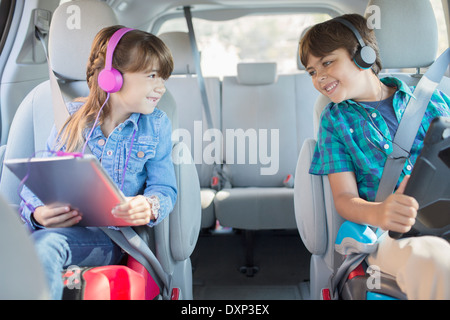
(336,76)
(140,93)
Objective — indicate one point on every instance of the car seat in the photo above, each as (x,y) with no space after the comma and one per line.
(174,239)
(317,220)
(193,124)
(17,279)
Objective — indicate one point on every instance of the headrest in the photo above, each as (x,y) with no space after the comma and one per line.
(73,28)
(407,35)
(256,74)
(300,65)
(180,46)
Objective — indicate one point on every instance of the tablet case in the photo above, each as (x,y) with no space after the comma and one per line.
(81,183)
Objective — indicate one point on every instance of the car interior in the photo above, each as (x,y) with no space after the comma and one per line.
(250,222)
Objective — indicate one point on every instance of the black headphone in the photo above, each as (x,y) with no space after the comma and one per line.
(365,56)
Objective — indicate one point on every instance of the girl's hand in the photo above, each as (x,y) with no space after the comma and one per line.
(57,217)
(398,212)
(136,211)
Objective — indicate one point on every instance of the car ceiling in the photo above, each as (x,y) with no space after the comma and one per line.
(143,13)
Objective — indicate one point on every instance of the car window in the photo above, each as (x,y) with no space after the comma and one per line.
(442,26)
(6,11)
(263,38)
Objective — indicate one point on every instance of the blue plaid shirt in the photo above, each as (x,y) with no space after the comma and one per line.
(348,140)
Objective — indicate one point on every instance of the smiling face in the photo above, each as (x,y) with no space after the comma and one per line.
(140,93)
(327,50)
(337,77)
(145,62)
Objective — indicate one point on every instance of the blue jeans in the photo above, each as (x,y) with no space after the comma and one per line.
(76,246)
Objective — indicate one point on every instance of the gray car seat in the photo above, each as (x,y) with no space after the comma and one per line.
(260,126)
(17,280)
(184,86)
(317,220)
(175,238)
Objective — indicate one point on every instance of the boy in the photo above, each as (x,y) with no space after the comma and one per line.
(356,136)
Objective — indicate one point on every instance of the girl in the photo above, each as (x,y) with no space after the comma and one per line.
(132,140)
(354,139)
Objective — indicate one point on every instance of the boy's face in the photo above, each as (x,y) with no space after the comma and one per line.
(336,76)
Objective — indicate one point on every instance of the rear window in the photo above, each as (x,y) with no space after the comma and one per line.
(264,38)
(6,13)
(442,27)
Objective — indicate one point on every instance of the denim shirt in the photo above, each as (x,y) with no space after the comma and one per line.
(149,171)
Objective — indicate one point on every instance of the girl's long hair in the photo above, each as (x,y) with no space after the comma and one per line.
(137,51)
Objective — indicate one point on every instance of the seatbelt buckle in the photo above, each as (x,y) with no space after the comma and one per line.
(289,181)
(215,183)
(326,295)
(176,294)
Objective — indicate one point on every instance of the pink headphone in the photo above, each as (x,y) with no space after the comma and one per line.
(110,80)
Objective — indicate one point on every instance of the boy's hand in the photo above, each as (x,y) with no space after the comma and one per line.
(398,212)
(135,211)
(57,217)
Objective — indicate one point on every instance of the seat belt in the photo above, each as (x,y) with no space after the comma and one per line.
(60,112)
(220,177)
(409,125)
(198,67)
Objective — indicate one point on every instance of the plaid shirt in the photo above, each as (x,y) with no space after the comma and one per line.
(348,140)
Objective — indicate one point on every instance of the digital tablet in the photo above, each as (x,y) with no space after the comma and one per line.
(429,183)
(80,183)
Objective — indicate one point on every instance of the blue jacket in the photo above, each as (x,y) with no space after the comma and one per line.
(149,171)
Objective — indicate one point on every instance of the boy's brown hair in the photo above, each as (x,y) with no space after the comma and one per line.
(323,38)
